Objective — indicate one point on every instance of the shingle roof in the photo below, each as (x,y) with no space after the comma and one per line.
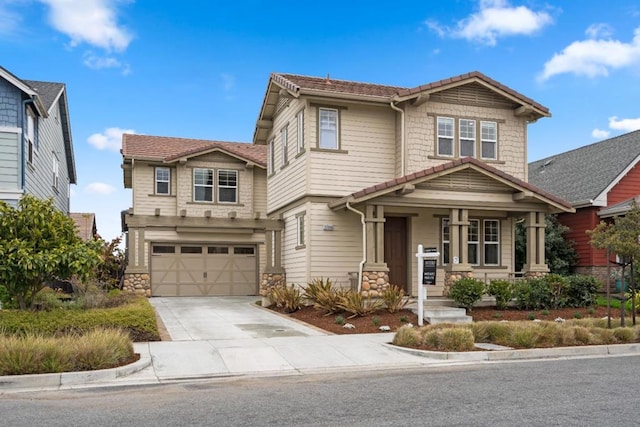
(582,174)
(85,224)
(47,91)
(164,148)
(383,187)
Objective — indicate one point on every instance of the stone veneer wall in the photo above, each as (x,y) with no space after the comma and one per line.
(450,277)
(374,283)
(268,282)
(137,283)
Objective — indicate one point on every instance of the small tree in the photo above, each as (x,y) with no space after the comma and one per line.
(622,238)
(111,268)
(38,243)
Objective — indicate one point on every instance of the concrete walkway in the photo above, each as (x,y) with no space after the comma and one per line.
(232,337)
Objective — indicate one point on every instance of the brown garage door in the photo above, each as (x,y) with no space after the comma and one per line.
(203,270)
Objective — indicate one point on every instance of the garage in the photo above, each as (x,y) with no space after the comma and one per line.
(203,269)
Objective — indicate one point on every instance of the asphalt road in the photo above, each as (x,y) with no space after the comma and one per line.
(579,392)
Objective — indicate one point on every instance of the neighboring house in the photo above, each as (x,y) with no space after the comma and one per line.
(85,223)
(357,175)
(36,149)
(198,221)
(599,180)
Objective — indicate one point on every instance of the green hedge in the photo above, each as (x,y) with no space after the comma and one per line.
(136,318)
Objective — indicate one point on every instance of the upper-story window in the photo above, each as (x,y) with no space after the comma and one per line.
(227,186)
(445,136)
(300,131)
(30,135)
(284,137)
(467,138)
(55,172)
(300,241)
(489,140)
(270,154)
(163,180)
(328,128)
(203,185)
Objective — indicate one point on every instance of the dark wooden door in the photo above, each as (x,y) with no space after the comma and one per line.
(395,250)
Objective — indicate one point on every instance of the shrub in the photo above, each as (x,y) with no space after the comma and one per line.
(524,336)
(457,339)
(582,291)
(531,316)
(532,294)
(339,320)
(558,286)
(323,295)
(466,292)
(502,290)
(394,298)
(46,299)
(288,298)
(577,315)
(353,302)
(406,336)
(375,320)
(624,335)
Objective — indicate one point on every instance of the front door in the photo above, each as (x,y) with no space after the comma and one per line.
(395,250)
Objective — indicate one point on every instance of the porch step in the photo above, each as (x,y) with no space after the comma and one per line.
(444,314)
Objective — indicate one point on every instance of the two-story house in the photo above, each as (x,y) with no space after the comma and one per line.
(198,221)
(362,173)
(343,180)
(36,150)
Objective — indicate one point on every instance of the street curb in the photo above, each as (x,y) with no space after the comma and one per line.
(526,354)
(39,382)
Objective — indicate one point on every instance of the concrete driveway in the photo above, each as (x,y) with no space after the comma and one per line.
(223,318)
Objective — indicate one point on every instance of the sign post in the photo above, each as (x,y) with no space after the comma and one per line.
(427,267)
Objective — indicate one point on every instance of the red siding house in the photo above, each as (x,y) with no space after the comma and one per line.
(600,181)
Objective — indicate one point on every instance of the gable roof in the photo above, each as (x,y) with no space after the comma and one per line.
(25,88)
(585,175)
(456,165)
(619,208)
(293,85)
(168,149)
(85,224)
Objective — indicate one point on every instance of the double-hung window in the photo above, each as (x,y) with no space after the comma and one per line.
(491,241)
(284,136)
(300,131)
(227,186)
(445,136)
(328,128)
(489,140)
(163,180)
(473,242)
(467,136)
(30,136)
(203,185)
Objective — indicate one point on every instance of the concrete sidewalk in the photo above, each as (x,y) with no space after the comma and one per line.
(231,337)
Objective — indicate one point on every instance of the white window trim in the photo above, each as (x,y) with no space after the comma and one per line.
(56,172)
(300,131)
(30,136)
(493,141)
(212,185)
(451,137)
(235,187)
(336,130)
(486,243)
(300,230)
(445,224)
(476,243)
(168,180)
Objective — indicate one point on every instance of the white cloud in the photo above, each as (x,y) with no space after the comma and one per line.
(96,62)
(595,31)
(600,134)
(99,188)
(495,19)
(627,125)
(10,22)
(593,57)
(228,81)
(93,22)
(110,139)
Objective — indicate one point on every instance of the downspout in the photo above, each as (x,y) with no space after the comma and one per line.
(393,106)
(364,243)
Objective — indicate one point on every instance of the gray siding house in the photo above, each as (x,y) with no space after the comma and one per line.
(36,151)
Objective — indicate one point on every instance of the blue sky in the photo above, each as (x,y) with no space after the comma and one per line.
(198,69)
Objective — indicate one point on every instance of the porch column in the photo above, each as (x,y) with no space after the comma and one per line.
(464,237)
(371,236)
(535,265)
(375,273)
(458,248)
(380,235)
(269,246)
(273,274)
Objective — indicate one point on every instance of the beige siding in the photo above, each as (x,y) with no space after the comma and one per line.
(145,202)
(296,259)
(368,135)
(421,135)
(288,181)
(260,191)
